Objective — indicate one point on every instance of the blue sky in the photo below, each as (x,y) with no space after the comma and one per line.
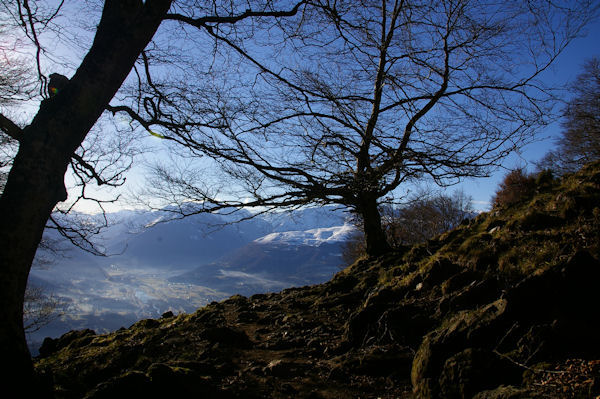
(566,68)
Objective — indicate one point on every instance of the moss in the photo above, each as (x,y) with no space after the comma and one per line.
(417,252)
(386,276)
(535,220)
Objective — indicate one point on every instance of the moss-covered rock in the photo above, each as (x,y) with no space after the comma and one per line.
(474,370)
(506,392)
(75,338)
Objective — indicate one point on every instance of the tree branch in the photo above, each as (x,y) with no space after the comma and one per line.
(201,22)
(92,172)
(10,128)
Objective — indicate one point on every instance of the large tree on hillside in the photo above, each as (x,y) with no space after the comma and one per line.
(48,143)
(351,100)
(579,142)
(35,183)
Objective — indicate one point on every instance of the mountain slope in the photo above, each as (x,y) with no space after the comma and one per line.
(504,306)
(275,261)
(158,264)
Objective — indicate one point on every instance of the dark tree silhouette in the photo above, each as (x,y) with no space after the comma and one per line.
(48,143)
(426,215)
(291,134)
(46,146)
(579,142)
(349,101)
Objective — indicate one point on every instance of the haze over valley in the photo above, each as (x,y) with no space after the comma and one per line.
(157,265)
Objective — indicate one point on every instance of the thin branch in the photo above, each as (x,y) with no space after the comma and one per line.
(90,169)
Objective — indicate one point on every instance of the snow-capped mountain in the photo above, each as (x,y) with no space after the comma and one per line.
(311,237)
(158,263)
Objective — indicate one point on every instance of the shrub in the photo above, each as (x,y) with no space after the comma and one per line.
(422,218)
(516,186)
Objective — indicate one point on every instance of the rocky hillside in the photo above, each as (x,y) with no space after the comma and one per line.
(504,306)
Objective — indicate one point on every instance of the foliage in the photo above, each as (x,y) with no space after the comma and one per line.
(516,185)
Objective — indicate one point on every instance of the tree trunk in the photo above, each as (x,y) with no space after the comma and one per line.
(36,180)
(375,238)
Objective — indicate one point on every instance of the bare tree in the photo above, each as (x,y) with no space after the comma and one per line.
(426,216)
(16,86)
(48,144)
(20,83)
(349,101)
(580,139)
(40,308)
(283,121)
(422,217)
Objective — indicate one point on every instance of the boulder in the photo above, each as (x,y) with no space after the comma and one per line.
(173,381)
(76,337)
(133,384)
(227,336)
(474,370)
(476,328)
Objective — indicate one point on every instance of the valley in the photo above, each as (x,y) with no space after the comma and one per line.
(157,265)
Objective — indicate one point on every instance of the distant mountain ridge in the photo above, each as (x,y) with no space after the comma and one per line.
(159,263)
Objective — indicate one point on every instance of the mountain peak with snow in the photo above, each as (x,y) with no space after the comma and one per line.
(312,237)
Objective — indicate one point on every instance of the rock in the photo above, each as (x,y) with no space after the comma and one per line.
(547,314)
(146,323)
(167,315)
(240,301)
(474,370)
(313,395)
(475,294)
(505,392)
(409,320)
(495,223)
(493,230)
(227,336)
(439,271)
(459,281)
(342,283)
(178,381)
(247,316)
(384,361)
(258,297)
(476,328)
(133,384)
(568,294)
(77,338)
(539,221)
(284,368)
